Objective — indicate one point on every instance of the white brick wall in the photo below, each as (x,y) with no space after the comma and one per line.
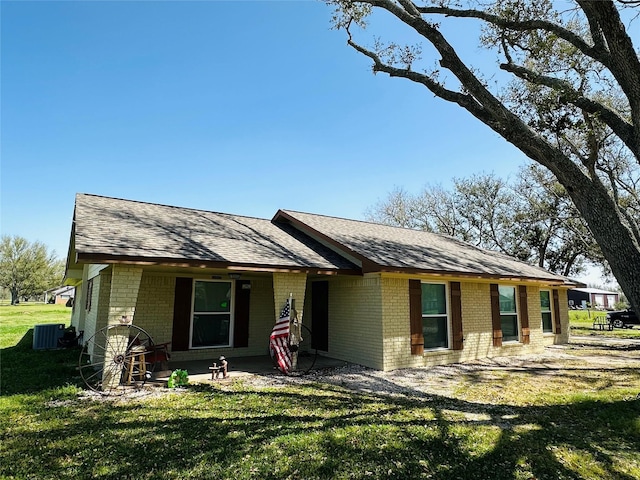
(368,316)
(154,307)
(285,284)
(476,324)
(355,320)
(125,283)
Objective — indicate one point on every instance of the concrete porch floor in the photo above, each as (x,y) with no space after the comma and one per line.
(238,367)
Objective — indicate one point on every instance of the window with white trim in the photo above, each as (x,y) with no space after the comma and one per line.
(508,313)
(211,313)
(435,316)
(545,311)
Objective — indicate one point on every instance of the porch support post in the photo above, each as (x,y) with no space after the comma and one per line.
(283,285)
(80,301)
(125,284)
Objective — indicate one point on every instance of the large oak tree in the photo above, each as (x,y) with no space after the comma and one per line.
(572,103)
(27,269)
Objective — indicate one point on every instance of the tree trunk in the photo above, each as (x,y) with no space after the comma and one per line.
(614,237)
(15,296)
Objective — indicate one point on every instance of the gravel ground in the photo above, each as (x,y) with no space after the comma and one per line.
(599,352)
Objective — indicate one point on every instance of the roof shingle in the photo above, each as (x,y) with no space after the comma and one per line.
(125,228)
(401,248)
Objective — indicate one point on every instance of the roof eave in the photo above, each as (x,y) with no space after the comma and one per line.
(102,258)
(556,281)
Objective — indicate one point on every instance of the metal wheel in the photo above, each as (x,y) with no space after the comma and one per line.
(113,360)
(306,355)
(617,323)
(303,354)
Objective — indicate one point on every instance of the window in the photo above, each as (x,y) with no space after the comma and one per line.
(435,319)
(211,319)
(545,309)
(508,313)
(87,304)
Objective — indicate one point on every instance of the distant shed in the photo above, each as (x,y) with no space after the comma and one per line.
(594,297)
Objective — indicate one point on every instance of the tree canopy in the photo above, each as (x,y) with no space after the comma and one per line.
(530,218)
(27,269)
(571,104)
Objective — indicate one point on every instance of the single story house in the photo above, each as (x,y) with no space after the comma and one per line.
(593,298)
(385,297)
(60,295)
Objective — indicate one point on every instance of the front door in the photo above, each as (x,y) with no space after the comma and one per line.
(320,315)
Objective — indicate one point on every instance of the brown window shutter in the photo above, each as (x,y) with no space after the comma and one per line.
(556,311)
(524,315)
(241,314)
(495,315)
(456,315)
(87,304)
(415,317)
(181,314)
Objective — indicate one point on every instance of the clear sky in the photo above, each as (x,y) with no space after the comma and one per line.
(241,107)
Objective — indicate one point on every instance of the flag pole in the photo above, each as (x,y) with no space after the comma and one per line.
(294,333)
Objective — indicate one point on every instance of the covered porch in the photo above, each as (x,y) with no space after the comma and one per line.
(240,367)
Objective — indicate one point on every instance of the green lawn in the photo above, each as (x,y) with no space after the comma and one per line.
(581,322)
(16,320)
(535,423)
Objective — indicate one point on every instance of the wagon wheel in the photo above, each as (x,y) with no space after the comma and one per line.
(113,360)
(306,353)
(303,353)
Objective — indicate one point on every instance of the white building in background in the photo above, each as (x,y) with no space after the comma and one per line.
(593,298)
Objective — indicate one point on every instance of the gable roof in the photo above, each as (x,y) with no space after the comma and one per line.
(386,248)
(112,230)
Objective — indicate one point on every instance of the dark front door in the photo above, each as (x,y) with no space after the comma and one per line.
(320,315)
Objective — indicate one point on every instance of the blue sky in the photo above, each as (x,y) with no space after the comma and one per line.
(239,107)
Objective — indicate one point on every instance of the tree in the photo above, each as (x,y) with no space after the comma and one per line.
(572,103)
(554,231)
(27,269)
(531,218)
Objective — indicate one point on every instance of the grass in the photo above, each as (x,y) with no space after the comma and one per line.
(581,322)
(16,320)
(18,359)
(534,423)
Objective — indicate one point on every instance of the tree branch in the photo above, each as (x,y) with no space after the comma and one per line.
(623,62)
(570,95)
(410,7)
(481,103)
(465,101)
(520,26)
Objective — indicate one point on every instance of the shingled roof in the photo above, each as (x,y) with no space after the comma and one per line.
(111,230)
(107,230)
(385,248)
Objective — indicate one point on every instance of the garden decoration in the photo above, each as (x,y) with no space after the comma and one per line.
(116,359)
(178,378)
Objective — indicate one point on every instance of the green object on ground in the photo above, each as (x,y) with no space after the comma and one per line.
(178,378)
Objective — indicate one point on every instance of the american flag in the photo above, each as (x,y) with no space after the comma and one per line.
(279,339)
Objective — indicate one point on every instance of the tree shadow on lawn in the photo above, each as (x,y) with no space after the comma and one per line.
(313,431)
(25,370)
(324,431)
